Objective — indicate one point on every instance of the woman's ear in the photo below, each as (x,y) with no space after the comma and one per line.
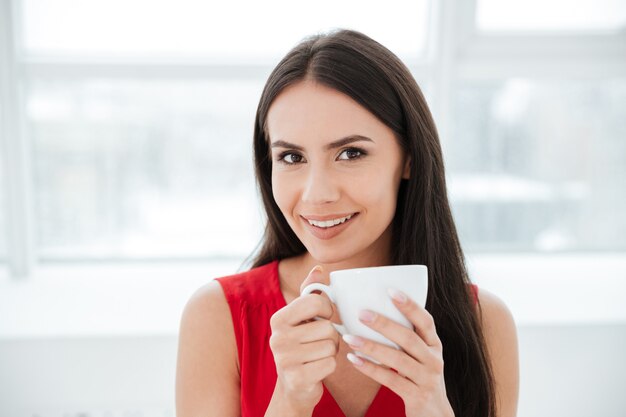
(407,169)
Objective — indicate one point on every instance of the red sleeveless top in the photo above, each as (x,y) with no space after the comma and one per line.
(253,297)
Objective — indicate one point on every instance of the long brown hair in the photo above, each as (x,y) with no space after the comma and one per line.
(423,228)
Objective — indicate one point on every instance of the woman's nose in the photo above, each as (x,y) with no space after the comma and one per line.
(320,187)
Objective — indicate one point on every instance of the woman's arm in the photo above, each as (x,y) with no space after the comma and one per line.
(501,337)
(207,375)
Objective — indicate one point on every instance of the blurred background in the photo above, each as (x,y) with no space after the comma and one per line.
(126,180)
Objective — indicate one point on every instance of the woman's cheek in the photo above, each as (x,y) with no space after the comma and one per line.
(380,197)
(284,190)
(371,185)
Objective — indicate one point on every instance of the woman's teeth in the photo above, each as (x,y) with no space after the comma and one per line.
(329,223)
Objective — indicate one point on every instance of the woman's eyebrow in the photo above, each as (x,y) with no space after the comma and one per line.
(333,145)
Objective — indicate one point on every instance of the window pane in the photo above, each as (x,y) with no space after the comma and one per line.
(236,29)
(131,168)
(553,15)
(540,165)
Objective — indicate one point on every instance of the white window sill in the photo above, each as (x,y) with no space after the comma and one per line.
(132,300)
(102,299)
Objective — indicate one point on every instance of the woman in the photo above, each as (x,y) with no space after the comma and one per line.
(350,170)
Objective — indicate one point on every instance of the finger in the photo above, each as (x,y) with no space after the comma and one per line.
(320,369)
(406,338)
(316,274)
(384,376)
(307,307)
(418,316)
(386,355)
(313,351)
(316,330)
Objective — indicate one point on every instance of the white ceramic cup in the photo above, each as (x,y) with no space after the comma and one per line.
(353,290)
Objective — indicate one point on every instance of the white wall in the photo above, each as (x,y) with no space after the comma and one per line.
(64,377)
(567,370)
(573,371)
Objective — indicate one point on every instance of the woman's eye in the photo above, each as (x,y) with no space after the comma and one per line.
(290,158)
(352,153)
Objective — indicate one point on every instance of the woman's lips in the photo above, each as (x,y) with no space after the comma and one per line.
(329,232)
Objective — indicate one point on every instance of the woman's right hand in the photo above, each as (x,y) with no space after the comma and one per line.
(304,350)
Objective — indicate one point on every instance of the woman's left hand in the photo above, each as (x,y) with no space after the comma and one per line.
(419,380)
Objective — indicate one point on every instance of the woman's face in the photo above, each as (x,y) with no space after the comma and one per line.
(332,158)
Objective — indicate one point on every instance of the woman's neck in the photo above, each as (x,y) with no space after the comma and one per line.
(293,271)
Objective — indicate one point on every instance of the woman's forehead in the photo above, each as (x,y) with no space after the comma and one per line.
(308,110)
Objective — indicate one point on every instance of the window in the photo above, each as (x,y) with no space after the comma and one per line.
(143,168)
(139,124)
(540,165)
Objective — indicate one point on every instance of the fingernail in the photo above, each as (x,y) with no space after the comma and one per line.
(397,295)
(367,316)
(354,359)
(355,341)
(316,268)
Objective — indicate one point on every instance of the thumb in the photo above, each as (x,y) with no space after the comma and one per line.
(317,274)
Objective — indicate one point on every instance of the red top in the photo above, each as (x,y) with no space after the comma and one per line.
(254,296)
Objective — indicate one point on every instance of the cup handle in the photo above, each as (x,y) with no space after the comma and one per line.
(329,292)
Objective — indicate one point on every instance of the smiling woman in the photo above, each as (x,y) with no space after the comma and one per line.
(350,170)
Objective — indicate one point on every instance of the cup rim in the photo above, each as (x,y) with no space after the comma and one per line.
(378,268)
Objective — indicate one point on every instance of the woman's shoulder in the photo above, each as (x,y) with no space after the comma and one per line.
(500,334)
(215,299)
(211,301)
(207,371)
(493,309)
(207,311)
(495,315)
